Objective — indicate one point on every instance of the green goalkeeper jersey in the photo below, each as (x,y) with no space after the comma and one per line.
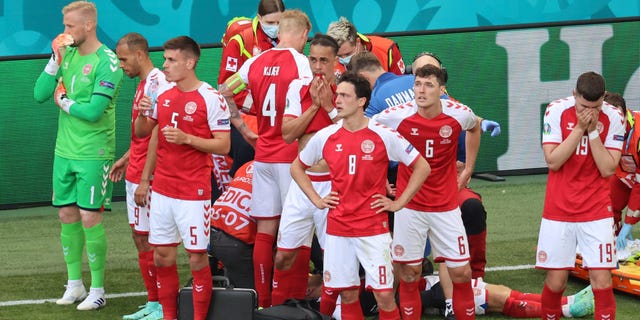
(84,77)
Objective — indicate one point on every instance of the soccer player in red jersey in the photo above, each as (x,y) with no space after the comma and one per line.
(193,122)
(138,162)
(433,125)
(582,140)
(268,77)
(310,107)
(358,151)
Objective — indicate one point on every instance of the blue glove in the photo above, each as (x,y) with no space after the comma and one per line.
(489,125)
(625,233)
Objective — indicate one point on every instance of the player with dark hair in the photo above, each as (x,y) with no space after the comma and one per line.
(193,122)
(310,107)
(139,162)
(357,234)
(582,141)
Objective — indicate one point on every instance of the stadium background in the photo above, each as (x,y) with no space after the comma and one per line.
(506,59)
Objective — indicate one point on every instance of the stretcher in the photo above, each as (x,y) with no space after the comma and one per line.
(626,278)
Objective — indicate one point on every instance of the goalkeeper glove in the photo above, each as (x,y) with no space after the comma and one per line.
(60,97)
(488,125)
(625,233)
(58,45)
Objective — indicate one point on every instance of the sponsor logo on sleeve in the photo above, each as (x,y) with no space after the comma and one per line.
(546,128)
(107,84)
(409,149)
(223,122)
(618,137)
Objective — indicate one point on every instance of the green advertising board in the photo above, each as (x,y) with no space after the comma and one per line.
(505,75)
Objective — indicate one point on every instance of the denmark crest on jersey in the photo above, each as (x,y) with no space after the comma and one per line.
(446,131)
(190,107)
(367,146)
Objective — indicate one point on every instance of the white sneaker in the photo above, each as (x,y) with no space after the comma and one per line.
(72,294)
(94,300)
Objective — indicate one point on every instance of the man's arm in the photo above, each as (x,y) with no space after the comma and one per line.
(228,89)
(143,126)
(302,179)
(119,167)
(557,154)
(140,194)
(472,145)
(220,143)
(420,171)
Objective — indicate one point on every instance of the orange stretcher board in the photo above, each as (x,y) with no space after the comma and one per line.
(626,278)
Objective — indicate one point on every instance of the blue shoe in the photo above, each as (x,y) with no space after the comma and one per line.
(145,310)
(583,303)
(155,315)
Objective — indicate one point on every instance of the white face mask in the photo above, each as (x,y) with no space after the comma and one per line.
(345,61)
(271,30)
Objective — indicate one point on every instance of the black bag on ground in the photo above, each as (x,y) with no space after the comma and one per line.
(227,303)
(292,309)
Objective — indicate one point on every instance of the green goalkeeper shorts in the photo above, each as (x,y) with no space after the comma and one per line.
(84,183)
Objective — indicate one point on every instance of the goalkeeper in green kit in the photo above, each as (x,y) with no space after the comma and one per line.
(84,77)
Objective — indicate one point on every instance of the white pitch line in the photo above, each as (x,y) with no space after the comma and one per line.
(137,294)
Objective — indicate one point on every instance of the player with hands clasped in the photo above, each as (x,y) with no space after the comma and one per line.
(357,229)
(582,141)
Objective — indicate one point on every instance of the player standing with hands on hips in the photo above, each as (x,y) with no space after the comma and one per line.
(582,141)
(88,80)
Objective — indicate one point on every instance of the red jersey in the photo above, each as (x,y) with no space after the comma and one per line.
(268,77)
(358,163)
(437,141)
(577,192)
(182,172)
(299,100)
(240,48)
(150,86)
(232,210)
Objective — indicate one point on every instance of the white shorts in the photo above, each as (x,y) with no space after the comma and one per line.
(558,240)
(300,216)
(138,216)
(444,229)
(174,220)
(344,255)
(270,184)
(480,296)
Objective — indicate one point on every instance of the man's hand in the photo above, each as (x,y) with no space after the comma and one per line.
(118,169)
(384,204)
(625,233)
(490,125)
(58,46)
(175,135)
(60,97)
(330,201)
(141,195)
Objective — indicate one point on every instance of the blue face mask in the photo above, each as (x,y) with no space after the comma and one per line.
(345,61)
(271,30)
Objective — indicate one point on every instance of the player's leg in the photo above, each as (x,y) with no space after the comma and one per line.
(164,237)
(556,252)
(474,218)
(192,219)
(620,193)
(449,244)
(410,234)
(138,217)
(270,184)
(93,189)
(597,245)
(341,275)
(71,235)
(373,253)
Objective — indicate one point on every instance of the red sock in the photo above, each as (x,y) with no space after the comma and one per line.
(281,289)
(352,311)
(148,271)
(202,286)
(301,274)
(391,315)
(605,304)
(551,303)
(522,309)
(263,267)
(410,303)
(168,286)
(328,301)
(533,297)
(463,304)
(477,253)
